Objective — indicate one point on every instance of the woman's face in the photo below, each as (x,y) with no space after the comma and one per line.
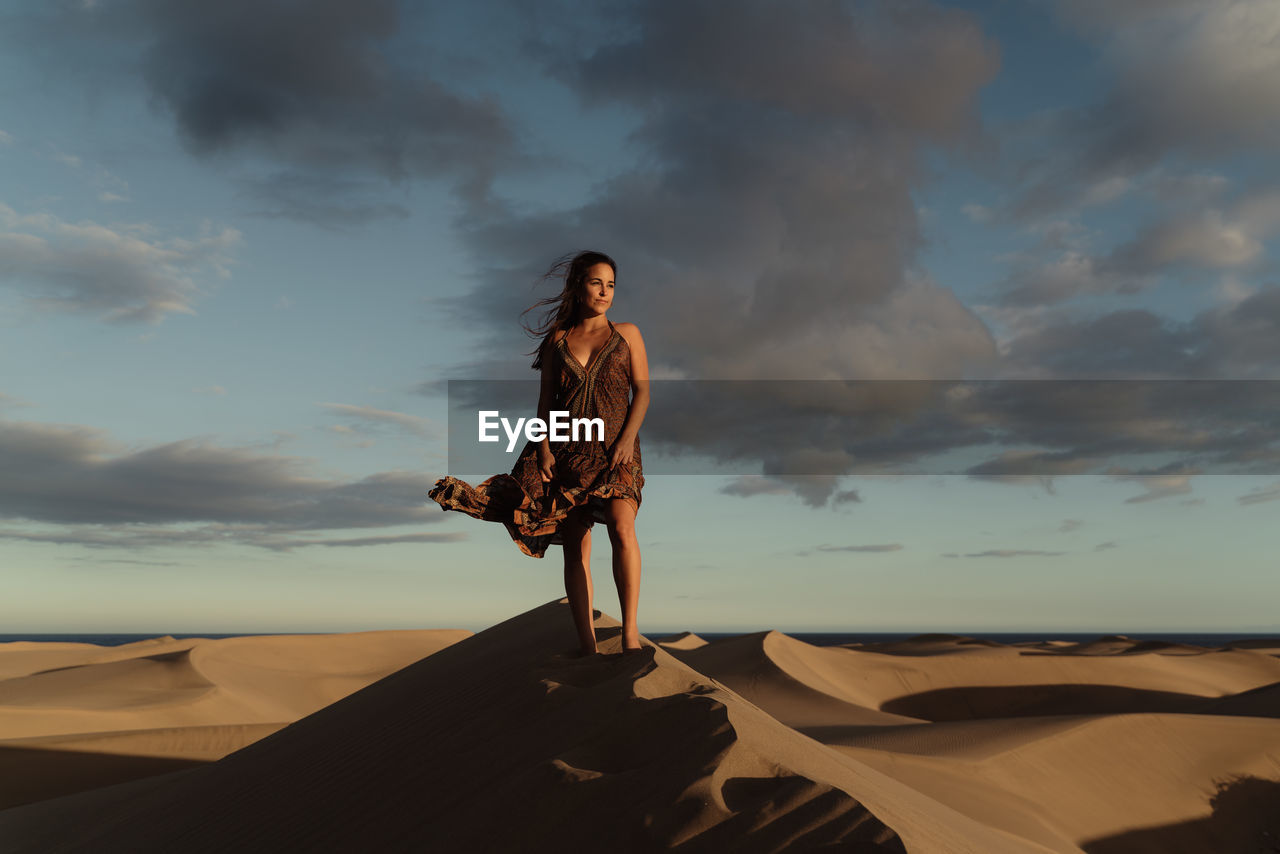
(598,289)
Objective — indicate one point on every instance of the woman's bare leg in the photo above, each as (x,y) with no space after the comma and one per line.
(577,581)
(621,519)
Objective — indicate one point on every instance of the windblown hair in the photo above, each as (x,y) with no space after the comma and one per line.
(562,309)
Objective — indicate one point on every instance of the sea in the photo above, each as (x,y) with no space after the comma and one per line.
(814,638)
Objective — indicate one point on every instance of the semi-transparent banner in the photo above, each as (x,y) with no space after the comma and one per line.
(995,428)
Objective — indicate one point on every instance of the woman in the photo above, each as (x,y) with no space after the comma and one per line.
(557,491)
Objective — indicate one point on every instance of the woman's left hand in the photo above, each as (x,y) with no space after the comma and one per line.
(623,451)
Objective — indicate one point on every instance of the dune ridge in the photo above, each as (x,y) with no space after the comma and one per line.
(505,740)
(115,713)
(502,724)
(1060,745)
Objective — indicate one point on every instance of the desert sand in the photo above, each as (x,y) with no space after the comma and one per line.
(505,740)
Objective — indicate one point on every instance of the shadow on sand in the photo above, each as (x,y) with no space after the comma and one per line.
(971,703)
(1245,819)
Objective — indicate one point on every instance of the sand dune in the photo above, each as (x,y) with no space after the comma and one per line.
(78,716)
(506,741)
(943,679)
(683,640)
(1064,745)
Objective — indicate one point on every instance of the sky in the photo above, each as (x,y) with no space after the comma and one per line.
(245,245)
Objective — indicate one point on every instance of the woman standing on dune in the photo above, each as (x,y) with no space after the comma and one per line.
(557,491)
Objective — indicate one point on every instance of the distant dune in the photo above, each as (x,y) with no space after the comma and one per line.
(77,716)
(504,740)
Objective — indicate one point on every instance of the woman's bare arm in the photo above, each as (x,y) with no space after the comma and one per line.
(625,446)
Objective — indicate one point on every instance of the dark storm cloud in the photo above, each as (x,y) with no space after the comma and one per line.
(777,151)
(69,475)
(768,233)
(766,228)
(315,87)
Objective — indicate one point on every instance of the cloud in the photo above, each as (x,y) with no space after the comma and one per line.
(1069,525)
(1005,553)
(1157,487)
(1014,466)
(390,539)
(1005,431)
(70,475)
(1069,275)
(112,187)
(412,424)
(1261,494)
(9,401)
(885,547)
(802,437)
(1190,189)
(812,490)
(748,486)
(316,89)
(760,190)
(1185,241)
(143,537)
(322,199)
(122,274)
(1196,80)
(1045,482)
(1237,341)
(765,226)
(1207,241)
(95,561)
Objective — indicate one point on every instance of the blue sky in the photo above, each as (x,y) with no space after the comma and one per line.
(241,246)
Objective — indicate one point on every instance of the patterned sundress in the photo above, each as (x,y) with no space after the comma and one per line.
(533,511)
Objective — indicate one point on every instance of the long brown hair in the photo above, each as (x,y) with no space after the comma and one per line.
(562,309)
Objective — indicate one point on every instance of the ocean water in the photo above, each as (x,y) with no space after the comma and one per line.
(815,638)
(1193,638)
(107,639)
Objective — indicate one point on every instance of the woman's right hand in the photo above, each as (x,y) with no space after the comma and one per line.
(546,463)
